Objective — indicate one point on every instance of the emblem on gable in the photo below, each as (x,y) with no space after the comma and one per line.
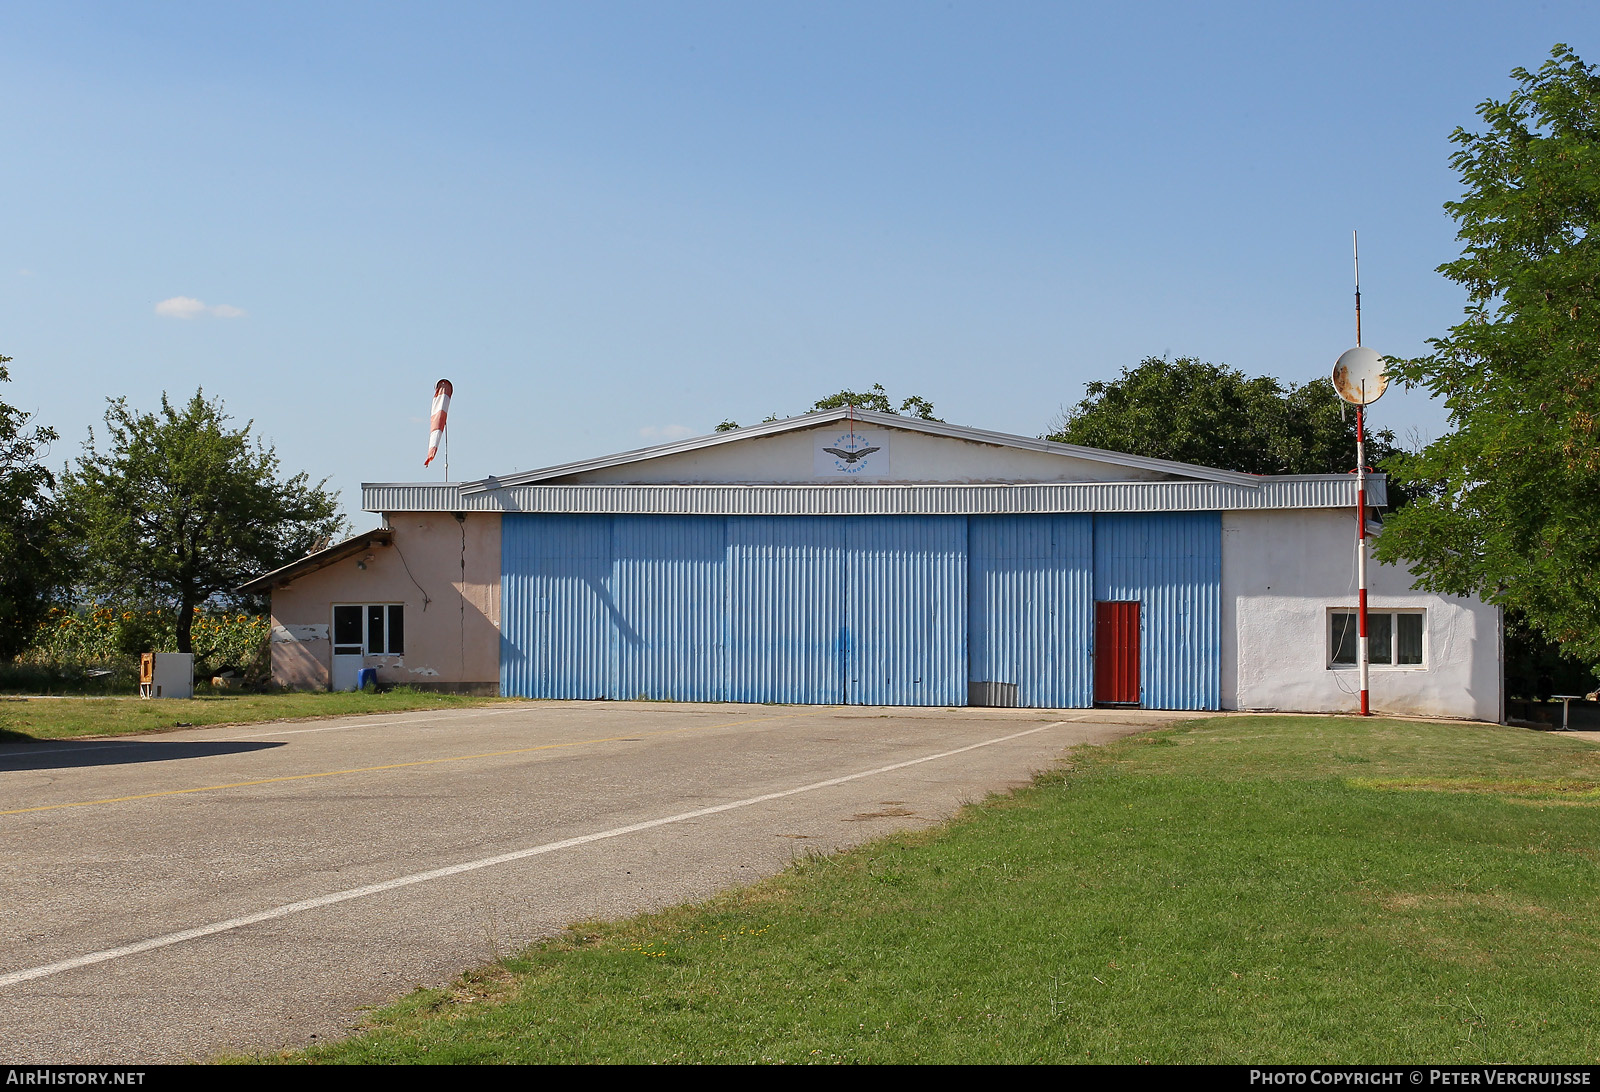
(854,452)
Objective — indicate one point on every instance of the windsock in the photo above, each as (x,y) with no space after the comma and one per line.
(441,409)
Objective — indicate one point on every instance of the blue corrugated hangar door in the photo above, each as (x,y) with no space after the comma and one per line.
(614,607)
(1170,562)
(906,610)
(1032,610)
(786,609)
(868,610)
(558,637)
(671,579)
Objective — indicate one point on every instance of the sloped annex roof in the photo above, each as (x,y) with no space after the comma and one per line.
(319,559)
(869,417)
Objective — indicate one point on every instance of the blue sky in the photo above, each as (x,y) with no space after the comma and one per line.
(612,224)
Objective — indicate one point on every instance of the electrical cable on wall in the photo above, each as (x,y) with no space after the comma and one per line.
(395,542)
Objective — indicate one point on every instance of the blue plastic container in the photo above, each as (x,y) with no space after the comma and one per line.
(366,675)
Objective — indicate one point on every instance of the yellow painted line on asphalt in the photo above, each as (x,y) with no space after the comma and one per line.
(404,765)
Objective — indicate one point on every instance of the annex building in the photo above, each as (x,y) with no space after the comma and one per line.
(850,557)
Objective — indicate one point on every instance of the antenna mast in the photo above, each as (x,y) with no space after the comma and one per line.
(1355,256)
(1359,378)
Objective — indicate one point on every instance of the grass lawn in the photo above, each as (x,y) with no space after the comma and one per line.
(28,718)
(1244,889)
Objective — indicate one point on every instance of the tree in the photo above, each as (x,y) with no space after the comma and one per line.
(876,399)
(182,509)
(1195,412)
(29,572)
(1510,505)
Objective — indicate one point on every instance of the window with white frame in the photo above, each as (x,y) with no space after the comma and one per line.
(377,629)
(1394,637)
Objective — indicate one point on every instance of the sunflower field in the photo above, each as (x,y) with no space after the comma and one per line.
(97,647)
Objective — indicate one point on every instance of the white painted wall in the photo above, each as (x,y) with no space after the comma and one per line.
(915,457)
(1282,571)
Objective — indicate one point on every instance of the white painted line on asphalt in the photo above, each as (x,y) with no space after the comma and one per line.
(15,977)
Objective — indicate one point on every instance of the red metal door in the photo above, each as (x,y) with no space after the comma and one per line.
(1116,652)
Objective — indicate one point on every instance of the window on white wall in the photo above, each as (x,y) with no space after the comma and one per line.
(1394,638)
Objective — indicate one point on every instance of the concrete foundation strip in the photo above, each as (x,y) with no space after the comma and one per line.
(287,909)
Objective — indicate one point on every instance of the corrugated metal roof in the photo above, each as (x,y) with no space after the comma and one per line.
(414,497)
(885,420)
(378,536)
(1287,491)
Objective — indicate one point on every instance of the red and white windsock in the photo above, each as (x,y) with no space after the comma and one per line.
(441,409)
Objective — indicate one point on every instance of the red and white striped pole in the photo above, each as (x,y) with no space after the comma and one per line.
(1360,379)
(1361,553)
(1361,498)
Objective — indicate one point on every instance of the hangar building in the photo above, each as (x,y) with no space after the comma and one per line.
(851,557)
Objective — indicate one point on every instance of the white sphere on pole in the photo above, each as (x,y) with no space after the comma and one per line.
(1360,376)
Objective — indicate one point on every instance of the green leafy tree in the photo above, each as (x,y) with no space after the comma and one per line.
(1213,415)
(30,571)
(1510,497)
(876,399)
(180,509)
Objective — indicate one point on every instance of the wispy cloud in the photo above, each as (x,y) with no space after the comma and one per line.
(187,307)
(180,307)
(665,433)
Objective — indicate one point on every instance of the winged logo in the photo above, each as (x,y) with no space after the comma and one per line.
(850,456)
